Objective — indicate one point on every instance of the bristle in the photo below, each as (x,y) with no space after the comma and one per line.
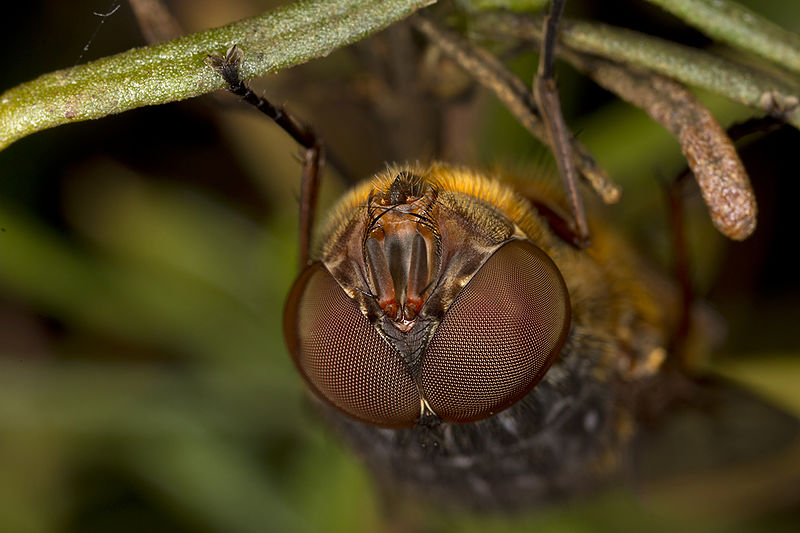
(494,187)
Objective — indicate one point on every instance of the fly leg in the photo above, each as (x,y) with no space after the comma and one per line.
(545,92)
(313,155)
(517,97)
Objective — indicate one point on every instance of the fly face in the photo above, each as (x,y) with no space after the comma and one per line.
(440,304)
(426,303)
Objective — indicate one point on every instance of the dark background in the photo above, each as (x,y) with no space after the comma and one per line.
(145,257)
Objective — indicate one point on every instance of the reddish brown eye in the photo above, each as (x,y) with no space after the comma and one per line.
(498,337)
(341,355)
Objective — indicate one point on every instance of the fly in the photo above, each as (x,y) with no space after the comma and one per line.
(469,336)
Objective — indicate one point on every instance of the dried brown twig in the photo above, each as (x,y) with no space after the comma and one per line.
(709,151)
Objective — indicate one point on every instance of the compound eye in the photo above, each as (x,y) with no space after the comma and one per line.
(341,355)
(499,336)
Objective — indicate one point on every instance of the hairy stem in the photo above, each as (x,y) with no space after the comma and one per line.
(176,70)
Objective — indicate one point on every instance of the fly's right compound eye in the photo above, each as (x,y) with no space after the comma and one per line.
(343,357)
(499,337)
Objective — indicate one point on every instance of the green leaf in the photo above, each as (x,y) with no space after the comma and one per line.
(176,70)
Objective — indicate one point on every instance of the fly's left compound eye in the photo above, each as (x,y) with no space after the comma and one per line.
(499,336)
(343,357)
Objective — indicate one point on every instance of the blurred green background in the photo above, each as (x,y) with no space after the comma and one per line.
(145,258)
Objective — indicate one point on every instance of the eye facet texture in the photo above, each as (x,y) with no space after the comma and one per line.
(342,356)
(494,343)
(499,336)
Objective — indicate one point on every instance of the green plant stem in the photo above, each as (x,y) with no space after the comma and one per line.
(738,26)
(760,90)
(176,70)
